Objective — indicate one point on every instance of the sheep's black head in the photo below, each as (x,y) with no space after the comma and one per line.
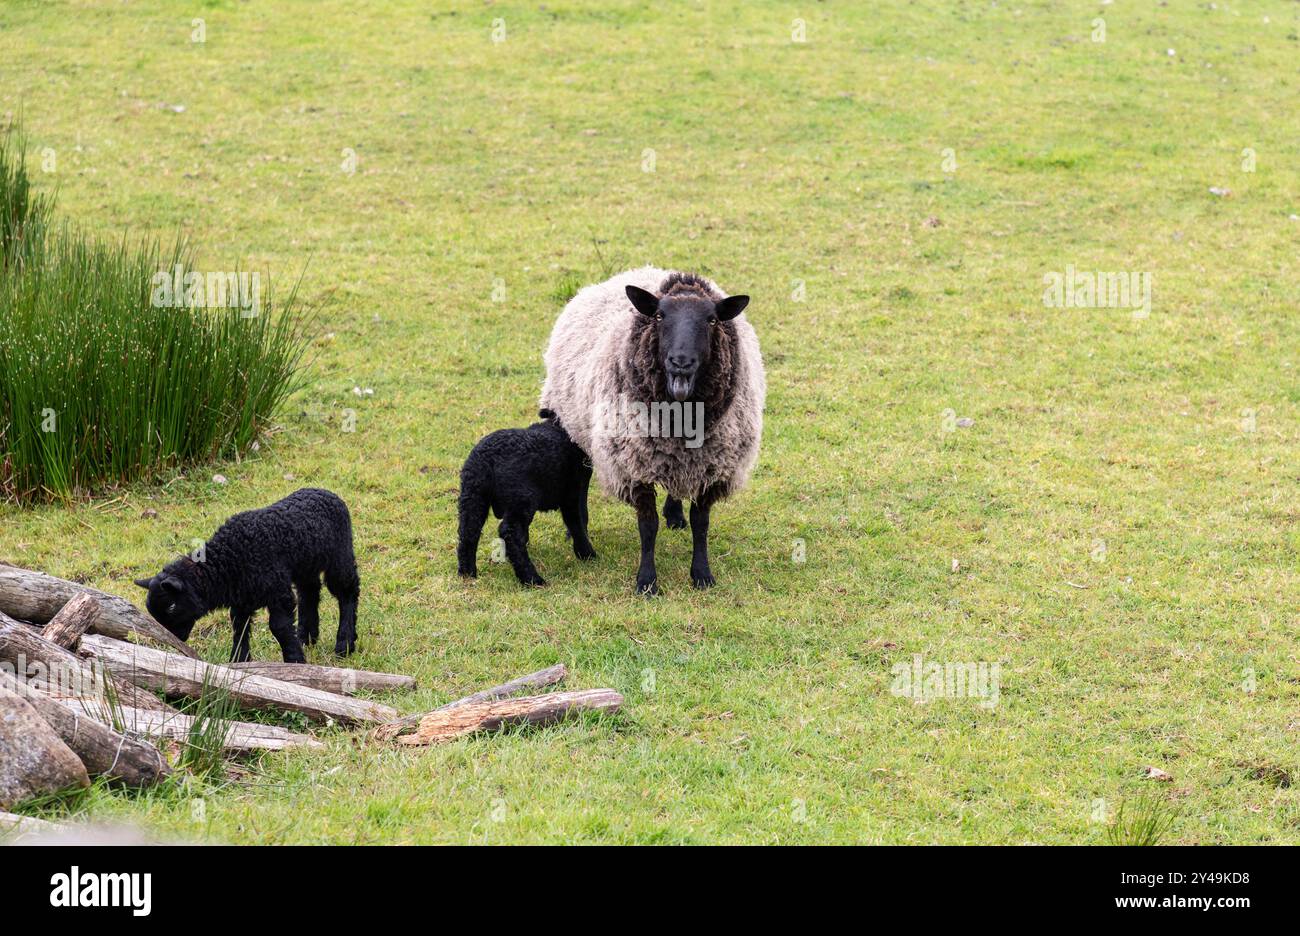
(173,600)
(685,322)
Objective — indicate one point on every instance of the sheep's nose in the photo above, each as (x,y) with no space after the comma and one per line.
(682,362)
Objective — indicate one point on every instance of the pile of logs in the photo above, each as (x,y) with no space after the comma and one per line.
(83,676)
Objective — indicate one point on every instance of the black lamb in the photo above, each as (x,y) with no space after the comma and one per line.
(516,473)
(256,560)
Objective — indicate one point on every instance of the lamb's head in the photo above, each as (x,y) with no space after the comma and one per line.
(685,322)
(174,599)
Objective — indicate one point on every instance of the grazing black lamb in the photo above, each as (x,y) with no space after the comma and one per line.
(256,560)
(516,473)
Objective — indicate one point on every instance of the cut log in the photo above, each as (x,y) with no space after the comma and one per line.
(459,720)
(34,761)
(61,672)
(180,676)
(328,678)
(13,826)
(103,751)
(241,737)
(550,676)
(74,619)
(37,597)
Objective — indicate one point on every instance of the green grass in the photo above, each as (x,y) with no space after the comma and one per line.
(108,373)
(1122,509)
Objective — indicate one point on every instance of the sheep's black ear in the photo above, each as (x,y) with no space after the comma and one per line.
(172,585)
(146,584)
(646,303)
(729,308)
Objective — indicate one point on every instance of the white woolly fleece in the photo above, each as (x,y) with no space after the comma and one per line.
(587,369)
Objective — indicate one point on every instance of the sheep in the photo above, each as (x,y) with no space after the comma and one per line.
(651,347)
(256,560)
(517,472)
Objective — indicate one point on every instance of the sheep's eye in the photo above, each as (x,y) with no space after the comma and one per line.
(713,321)
(659,316)
(171,608)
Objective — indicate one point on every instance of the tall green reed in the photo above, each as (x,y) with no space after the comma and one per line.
(99,384)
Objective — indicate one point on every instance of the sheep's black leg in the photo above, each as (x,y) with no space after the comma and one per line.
(241,623)
(701,576)
(572,514)
(283,630)
(473,514)
(308,610)
(583,490)
(345,585)
(514,533)
(647,523)
(673,514)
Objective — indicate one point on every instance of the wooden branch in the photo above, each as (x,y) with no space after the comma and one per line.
(103,751)
(180,676)
(61,672)
(328,678)
(552,675)
(74,619)
(11,825)
(459,720)
(37,597)
(241,737)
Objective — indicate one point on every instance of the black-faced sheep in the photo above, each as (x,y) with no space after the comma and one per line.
(516,473)
(256,560)
(633,354)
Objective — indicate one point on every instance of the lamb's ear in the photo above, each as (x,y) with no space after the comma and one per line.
(646,303)
(146,584)
(172,585)
(729,308)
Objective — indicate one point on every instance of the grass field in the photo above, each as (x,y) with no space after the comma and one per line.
(1118,529)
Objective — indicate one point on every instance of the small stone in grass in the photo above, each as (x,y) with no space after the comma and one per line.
(1155,773)
(1220,191)
(148,514)
(965,422)
(218,479)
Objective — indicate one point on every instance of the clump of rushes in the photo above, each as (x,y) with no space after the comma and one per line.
(98,383)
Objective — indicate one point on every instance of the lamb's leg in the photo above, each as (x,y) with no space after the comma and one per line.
(572,514)
(345,585)
(647,523)
(514,533)
(308,610)
(701,576)
(673,514)
(241,624)
(283,630)
(473,514)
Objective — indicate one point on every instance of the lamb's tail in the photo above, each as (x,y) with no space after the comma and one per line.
(473,514)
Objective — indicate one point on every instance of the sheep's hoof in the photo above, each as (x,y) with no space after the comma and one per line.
(469,573)
(648,586)
(308,638)
(345,648)
(534,581)
(702,579)
(585,555)
(676,523)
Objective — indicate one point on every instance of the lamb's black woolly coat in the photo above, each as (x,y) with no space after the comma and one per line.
(257,559)
(516,473)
